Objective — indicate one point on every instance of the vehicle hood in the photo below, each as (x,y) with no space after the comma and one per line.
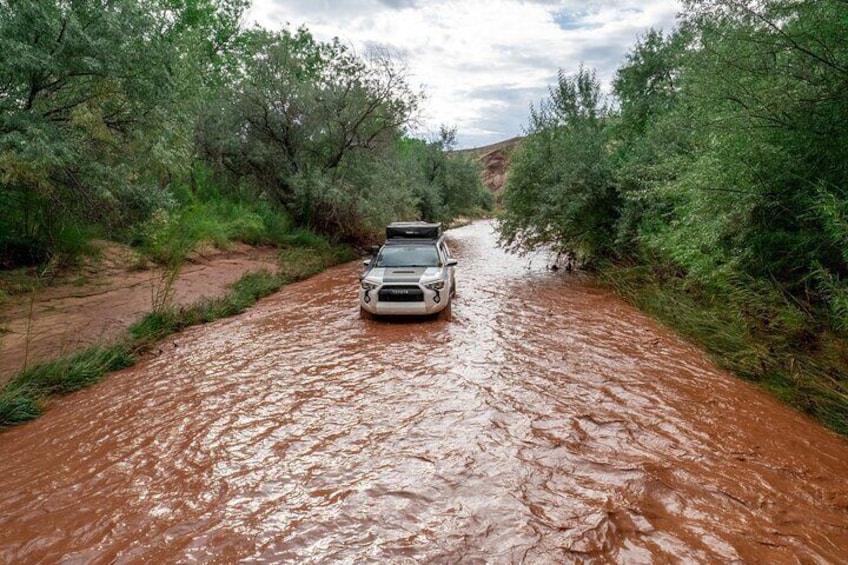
(401,275)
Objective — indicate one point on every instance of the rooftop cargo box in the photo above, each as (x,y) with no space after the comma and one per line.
(413,230)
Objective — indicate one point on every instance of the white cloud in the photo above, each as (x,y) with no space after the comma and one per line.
(481,62)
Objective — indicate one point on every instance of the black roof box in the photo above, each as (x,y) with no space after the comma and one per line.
(413,230)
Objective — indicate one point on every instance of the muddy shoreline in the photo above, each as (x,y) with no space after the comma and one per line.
(59,320)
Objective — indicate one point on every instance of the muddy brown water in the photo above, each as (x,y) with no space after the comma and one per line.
(549,422)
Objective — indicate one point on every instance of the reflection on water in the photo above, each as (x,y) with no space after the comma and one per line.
(548,422)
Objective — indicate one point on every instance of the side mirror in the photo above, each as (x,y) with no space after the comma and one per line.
(375,249)
(366,262)
(451,263)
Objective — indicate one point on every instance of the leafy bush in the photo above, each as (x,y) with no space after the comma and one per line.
(94,122)
(560,190)
(716,186)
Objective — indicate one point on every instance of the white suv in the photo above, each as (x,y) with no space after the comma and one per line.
(411,274)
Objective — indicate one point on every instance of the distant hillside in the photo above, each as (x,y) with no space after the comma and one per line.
(496,160)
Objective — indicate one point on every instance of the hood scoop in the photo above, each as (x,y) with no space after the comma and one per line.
(403,275)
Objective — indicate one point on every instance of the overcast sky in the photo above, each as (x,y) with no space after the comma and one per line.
(481,63)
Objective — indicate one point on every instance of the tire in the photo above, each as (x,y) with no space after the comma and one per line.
(447,313)
(365,314)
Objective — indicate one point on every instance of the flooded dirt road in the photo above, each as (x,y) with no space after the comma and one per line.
(548,423)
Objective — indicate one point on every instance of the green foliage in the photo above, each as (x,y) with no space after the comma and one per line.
(164,123)
(442,186)
(155,325)
(204,211)
(775,74)
(560,189)
(303,122)
(318,131)
(78,371)
(721,174)
(23,397)
(96,109)
(307,254)
(17,406)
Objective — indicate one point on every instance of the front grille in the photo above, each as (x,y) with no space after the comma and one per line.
(401,294)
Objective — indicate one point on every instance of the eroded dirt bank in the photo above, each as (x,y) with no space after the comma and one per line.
(549,422)
(62,319)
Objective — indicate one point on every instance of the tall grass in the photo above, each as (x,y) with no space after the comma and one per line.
(209,216)
(752,330)
(23,397)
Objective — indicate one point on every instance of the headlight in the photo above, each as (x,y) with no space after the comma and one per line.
(435,285)
(368,285)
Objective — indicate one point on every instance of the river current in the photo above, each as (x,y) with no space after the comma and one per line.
(548,422)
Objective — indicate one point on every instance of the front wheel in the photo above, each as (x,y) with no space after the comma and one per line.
(447,313)
(365,314)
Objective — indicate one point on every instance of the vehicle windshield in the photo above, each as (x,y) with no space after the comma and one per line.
(409,256)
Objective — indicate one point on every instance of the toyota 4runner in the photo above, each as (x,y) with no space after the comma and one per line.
(411,274)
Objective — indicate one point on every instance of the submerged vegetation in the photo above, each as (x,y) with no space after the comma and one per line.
(712,190)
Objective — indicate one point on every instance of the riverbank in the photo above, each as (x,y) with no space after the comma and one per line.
(64,338)
(99,299)
(757,333)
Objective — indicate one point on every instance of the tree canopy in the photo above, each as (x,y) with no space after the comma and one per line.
(114,112)
(719,166)
(725,152)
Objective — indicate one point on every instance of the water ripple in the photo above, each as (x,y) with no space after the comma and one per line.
(548,422)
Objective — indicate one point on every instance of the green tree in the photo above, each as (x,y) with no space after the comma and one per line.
(560,190)
(775,75)
(651,139)
(450,183)
(301,116)
(92,111)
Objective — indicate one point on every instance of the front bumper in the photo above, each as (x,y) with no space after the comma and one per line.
(370,302)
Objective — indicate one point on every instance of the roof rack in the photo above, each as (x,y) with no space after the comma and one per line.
(413,230)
